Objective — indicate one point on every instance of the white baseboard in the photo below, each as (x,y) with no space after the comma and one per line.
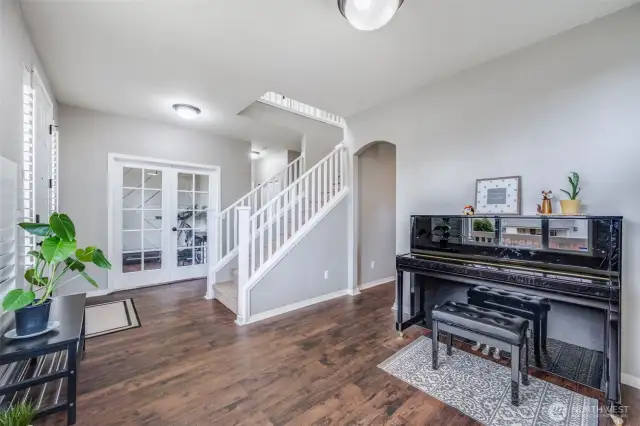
(97,293)
(405,309)
(353,292)
(377,283)
(294,306)
(630,380)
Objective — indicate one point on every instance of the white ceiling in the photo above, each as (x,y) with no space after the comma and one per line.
(139,57)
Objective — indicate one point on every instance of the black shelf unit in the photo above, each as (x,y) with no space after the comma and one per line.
(38,369)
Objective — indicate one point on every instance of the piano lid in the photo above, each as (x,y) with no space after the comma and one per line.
(584,243)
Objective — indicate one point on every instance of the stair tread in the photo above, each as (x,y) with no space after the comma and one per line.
(227,287)
(226,292)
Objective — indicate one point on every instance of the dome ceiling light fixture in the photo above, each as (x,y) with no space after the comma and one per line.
(369,15)
(186,111)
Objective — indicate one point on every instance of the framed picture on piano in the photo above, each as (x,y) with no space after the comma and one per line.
(499,195)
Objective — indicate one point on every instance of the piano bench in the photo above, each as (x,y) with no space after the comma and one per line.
(534,308)
(503,331)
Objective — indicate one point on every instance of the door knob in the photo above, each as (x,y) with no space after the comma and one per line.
(174,229)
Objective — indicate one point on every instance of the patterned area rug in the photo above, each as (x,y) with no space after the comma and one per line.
(481,389)
(570,361)
(111,317)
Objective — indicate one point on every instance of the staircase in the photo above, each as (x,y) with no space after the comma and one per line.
(257,231)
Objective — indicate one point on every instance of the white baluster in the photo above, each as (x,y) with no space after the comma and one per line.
(331,181)
(254,207)
(318,174)
(299,200)
(244,247)
(253,227)
(219,235)
(341,173)
(306,198)
(212,245)
(234,228)
(228,236)
(285,222)
(261,234)
(325,183)
(313,192)
(277,213)
(270,229)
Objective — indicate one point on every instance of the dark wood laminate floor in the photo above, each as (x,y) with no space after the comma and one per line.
(189,364)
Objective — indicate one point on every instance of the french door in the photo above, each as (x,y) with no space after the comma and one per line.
(159,222)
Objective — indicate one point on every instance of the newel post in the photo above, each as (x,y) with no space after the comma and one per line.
(212,251)
(244,251)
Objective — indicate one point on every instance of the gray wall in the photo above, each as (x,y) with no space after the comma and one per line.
(570,103)
(300,274)
(16,50)
(377,212)
(86,139)
(270,162)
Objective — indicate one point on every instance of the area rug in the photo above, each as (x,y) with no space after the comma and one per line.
(111,317)
(481,389)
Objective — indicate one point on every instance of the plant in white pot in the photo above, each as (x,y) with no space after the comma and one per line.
(56,258)
(572,205)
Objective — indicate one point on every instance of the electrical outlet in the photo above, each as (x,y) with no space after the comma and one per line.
(326,275)
(373,264)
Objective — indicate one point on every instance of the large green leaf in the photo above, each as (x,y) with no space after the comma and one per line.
(56,250)
(74,264)
(63,227)
(17,299)
(100,259)
(86,255)
(36,254)
(41,229)
(88,278)
(30,276)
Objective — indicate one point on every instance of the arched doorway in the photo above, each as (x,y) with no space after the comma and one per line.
(375,177)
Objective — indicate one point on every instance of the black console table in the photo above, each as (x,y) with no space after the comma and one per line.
(32,364)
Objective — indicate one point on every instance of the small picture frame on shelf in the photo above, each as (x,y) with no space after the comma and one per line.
(499,195)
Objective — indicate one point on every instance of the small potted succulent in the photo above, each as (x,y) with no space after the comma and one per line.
(57,256)
(19,414)
(572,205)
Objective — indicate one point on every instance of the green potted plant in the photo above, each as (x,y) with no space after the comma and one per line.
(483,225)
(57,256)
(20,414)
(572,205)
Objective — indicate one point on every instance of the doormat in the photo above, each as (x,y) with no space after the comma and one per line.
(481,389)
(110,317)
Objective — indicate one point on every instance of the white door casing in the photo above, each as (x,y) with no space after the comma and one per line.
(148,199)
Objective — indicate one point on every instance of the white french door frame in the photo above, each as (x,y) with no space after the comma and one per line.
(115,164)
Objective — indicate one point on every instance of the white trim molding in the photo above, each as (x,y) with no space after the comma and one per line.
(98,293)
(630,380)
(294,306)
(376,283)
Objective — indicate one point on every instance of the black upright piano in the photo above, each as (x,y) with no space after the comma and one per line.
(575,261)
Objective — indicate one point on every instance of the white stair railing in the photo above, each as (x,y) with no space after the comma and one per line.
(268,230)
(227,233)
(281,101)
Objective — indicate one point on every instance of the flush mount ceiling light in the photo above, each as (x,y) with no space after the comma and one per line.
(255,154)
(186,111)
(369,15)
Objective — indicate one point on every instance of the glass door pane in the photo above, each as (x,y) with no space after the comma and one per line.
(141,219)
(191,214)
